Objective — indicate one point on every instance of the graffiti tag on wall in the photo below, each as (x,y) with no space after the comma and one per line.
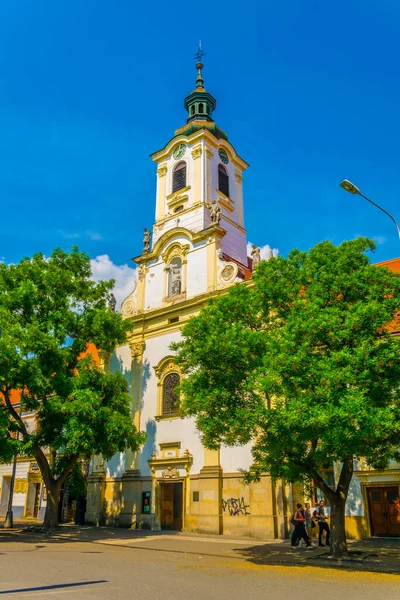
(235,506)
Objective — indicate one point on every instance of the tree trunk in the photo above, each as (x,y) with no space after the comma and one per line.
(338,529)
(51,514)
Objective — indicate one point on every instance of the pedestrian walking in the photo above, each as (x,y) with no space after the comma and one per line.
(320,515)
(309,524)
(299,532)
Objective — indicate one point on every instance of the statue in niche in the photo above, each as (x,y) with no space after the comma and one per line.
(215,212)
(111,302)
(255,255)
(175,277)
(146,240)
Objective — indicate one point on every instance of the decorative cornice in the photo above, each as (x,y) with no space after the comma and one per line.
(197,136)
(136,347)
(174,250)
(178,232)
(185,461)
(238,176)
(162,171)
(166,365)
(143,270)
(197,152)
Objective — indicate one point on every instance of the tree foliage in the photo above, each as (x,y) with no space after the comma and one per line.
(303,363)
(50,311)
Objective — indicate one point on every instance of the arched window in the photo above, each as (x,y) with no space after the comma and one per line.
(223,180)
(170,399)
(175,277)
(201,107)
(178,209)
(179,177)
(192,110)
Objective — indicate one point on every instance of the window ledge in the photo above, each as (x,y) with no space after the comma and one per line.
(179,197)
(168,417)
(225,201)
(177,298)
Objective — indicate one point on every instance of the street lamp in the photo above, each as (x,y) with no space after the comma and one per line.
(352,189)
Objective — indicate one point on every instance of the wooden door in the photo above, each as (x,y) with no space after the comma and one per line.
(167,506)
(178,506)
(37,501)
(171,505)
(384,506)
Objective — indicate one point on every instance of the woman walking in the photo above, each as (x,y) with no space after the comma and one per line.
(299,532)
(309,524)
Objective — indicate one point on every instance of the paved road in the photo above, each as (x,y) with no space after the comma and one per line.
(67,569)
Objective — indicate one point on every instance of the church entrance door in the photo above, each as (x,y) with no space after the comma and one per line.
(171,505)
(384,506)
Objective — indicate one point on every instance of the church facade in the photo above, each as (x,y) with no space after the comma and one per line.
(197,249)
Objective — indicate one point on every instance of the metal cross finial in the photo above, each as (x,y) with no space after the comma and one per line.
(199,54)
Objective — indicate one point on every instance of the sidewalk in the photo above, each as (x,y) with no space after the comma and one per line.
(376,554)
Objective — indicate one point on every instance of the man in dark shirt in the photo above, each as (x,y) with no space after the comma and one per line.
(320,514)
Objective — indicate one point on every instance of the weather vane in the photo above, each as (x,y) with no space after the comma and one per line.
(199,54)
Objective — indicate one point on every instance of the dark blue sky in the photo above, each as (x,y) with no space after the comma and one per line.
(308,92)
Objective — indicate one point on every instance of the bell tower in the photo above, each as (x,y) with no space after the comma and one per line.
(199,169)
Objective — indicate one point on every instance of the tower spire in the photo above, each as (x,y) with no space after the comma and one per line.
(200,103)
(199,66)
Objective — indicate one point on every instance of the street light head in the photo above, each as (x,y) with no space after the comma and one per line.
(349,187)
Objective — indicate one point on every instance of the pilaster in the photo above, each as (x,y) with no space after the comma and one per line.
(239,197)
(161,191)
(197,172)
(213,244)
(95,498)
(209,519)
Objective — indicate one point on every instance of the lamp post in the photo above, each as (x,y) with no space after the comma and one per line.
(353,189)
(9,521)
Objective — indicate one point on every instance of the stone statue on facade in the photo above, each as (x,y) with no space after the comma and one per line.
(215,212)
(146,240)
(255,255)
(111,302)
(176,280)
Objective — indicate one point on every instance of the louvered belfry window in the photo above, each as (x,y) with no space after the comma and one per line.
(179,177)
(223,180)
(170,397)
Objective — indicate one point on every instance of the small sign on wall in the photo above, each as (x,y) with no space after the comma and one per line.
(146,502)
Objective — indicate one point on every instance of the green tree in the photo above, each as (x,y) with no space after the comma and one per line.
(50,311)
(302,363)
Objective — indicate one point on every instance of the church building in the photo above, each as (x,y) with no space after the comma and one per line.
(197,249)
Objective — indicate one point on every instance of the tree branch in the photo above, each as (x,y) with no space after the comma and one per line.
(329,492)
(16,416)
(68,469)
(44,465)
(346,474)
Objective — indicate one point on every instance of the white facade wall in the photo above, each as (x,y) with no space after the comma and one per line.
(197,271)
(168,430)
(18,499)
(154,285)
(236,458)
(234,242)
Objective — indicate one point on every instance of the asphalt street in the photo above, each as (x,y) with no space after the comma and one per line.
(36,567)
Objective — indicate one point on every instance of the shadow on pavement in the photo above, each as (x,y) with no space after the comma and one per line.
(364,555)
